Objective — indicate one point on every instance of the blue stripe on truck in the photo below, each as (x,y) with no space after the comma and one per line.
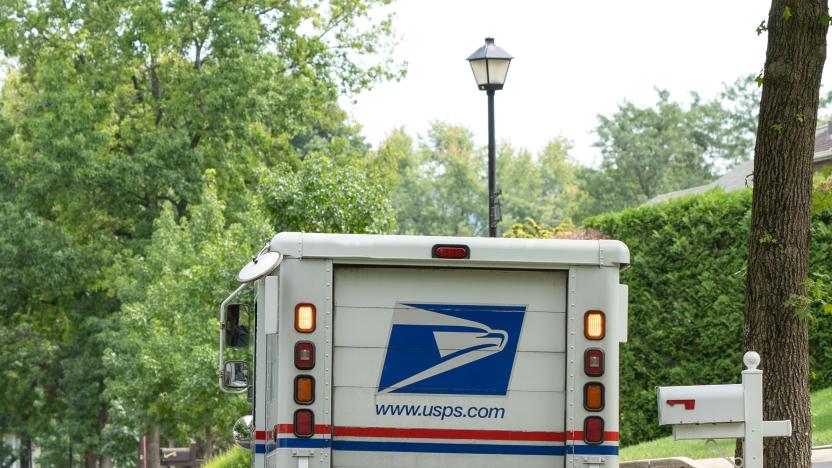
(430,447)
(593,449)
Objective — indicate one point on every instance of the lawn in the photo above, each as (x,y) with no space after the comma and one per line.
(667,447)
(234,458)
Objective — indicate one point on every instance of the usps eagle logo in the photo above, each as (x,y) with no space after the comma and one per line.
(456,349)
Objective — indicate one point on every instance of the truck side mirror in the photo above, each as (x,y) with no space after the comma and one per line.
(235,375)
(237,326)
(242,431)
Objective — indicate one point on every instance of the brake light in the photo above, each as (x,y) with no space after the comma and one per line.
(304,423)
(594,325)
(304,389)
(304,355)
(593,430)
(593,396)
(594,362)
(305,318)
(451,251)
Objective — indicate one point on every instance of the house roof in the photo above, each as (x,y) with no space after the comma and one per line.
(736,179)
(823,138)
(742,175)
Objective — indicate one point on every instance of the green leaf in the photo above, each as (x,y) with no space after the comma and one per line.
(787,13)
(762,27)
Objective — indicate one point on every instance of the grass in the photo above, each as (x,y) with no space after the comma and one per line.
(667,447)
(234,458)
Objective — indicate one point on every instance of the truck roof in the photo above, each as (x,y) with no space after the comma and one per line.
(417,250)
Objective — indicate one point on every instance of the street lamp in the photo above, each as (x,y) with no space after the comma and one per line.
(490,66)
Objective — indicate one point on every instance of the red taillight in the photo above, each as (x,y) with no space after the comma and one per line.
(304,355)
(304,423)
(451,251)
(593,430)
(594,362)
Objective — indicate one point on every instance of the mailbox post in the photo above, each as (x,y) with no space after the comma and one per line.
(723,412)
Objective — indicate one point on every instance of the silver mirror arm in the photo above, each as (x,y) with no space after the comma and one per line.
(221,368)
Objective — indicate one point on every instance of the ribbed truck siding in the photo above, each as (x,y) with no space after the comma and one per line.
(448,367)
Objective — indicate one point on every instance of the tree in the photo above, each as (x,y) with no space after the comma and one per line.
(323,196)
(780,220)
(438,188)
(670,146)
(111,115)
(543,187)
(442,188)
(162,356)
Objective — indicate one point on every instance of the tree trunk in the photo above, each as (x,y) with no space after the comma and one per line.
(104,460)
(778,256)
(153,447)
(28,458)
(209,443)
(89,460)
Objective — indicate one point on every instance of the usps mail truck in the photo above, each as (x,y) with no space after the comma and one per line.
(428,352)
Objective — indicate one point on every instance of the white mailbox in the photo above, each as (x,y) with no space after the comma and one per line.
(698,404)
(723,412)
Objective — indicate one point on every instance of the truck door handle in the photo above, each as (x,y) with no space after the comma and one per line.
(689,404)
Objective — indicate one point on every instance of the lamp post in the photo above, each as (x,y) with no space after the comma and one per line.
(490,66)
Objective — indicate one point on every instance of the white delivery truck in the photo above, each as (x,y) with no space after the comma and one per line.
(418,352)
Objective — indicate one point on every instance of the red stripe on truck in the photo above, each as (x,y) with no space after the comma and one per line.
(290,429)
(414,433)
(579,435)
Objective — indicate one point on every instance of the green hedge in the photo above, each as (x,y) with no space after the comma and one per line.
(687,284)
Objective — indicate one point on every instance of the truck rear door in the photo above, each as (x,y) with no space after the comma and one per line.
(448,367)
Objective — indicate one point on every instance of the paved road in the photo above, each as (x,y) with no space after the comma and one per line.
(820,459)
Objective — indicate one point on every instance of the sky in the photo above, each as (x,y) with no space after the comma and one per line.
(573,61)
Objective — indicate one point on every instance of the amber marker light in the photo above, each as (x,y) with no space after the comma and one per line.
(305,318)
(593,396)
(594,325)
(304,389)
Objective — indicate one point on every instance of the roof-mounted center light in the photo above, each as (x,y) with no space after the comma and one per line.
(457,252)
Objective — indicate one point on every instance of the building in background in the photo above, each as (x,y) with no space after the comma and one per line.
(742,175)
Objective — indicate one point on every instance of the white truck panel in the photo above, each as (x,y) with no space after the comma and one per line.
(371,287)
(530,411)
(593,288)
(443,360)
(271,302)
(365,327)
(348,459)
(533,371)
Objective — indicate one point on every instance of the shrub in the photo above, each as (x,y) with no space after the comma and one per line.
(235,458)
(687,294)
